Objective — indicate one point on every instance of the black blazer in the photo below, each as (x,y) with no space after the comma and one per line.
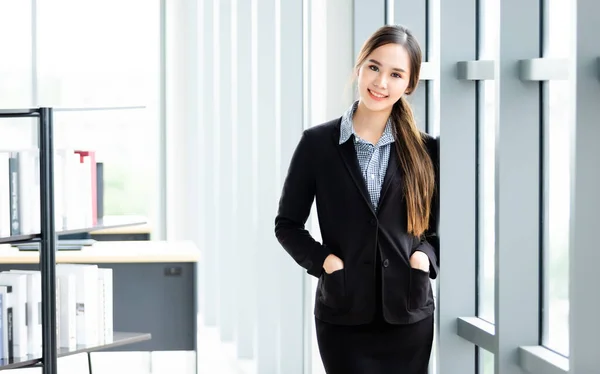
(351,229)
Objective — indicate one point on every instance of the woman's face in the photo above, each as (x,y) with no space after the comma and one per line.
(383,77)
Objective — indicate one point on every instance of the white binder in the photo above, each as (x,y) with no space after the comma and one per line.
(18,282)
(34,310)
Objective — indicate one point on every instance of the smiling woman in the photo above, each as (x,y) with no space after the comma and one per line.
(377,216)
(388,67)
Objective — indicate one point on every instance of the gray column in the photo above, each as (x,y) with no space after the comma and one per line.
(182,117)
(458,180)
(309,347)
(291,120)
(160,205)
(517,186)
(585,201)
(181,137)
(268,249)
(369,15)
(210,282)
(413,14)
(245,235)
(224,212)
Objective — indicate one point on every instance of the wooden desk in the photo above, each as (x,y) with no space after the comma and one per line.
(127,233)
(111,252)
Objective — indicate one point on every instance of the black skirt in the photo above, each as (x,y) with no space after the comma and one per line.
(377,347)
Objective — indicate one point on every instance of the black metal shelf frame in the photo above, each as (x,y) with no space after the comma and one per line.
(48,242)
(47,234)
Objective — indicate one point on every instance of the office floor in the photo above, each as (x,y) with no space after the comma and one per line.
(214,358)
(125,362)
(217,357)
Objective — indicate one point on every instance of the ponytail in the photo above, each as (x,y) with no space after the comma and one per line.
(419,177)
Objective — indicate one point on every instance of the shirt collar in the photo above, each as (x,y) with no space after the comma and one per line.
(347,128)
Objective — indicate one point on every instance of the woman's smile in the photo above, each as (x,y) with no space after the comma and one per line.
(376,95)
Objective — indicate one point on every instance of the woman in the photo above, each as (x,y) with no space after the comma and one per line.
(374,176)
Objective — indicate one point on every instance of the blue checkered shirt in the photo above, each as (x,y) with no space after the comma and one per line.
(373,159)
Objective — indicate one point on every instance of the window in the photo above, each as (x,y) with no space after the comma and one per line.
(127,157)
(489,27)
(16,85)
(98,55)
(555,334)
(486,362)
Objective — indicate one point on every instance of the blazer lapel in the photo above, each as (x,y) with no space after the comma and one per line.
(348,154)
(392,169)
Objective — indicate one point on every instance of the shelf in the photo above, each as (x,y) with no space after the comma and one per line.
(119,339)
(8,113)
(19,238)
(89,109)
(110,223)
(16,363)
(35,112)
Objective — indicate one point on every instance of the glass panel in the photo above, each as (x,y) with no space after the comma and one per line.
(127,158)
(489,26)
(16,62)
(16,86)
(97,53)
(556,185)
(106,54)
(486,362)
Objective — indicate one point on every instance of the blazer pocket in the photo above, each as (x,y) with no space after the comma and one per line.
(419,288)
(333,290)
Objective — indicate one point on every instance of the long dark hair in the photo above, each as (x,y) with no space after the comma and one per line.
(419,177)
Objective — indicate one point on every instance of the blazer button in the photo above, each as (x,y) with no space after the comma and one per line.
(386,263)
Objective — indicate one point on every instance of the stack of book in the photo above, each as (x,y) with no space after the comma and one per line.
(84,309)
(78,190)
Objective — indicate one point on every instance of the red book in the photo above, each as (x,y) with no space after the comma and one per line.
(92,160)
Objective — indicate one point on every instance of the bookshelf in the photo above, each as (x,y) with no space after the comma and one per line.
(47,237)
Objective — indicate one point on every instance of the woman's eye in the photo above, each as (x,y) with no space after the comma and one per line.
(373,67)
(396,75)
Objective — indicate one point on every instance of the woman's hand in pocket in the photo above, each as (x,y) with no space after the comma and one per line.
(419,260)
(333,263)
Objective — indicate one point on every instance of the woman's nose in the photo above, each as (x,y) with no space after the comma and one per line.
(381,82)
